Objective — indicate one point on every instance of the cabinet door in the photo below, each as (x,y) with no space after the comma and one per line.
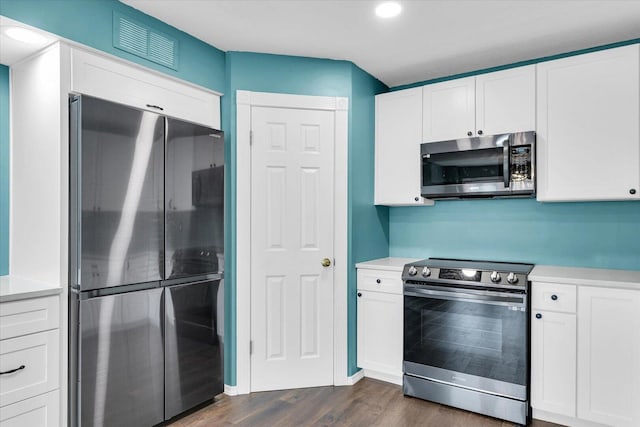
(42,410)
(609,356)
(506,101)
(398,137)
(553,359)
(30,365)
(449,110)
(129,84)
(380,333)
(588,123)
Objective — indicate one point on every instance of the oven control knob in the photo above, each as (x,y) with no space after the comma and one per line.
(412,271)
(426,272)
(495,277)
(512,278)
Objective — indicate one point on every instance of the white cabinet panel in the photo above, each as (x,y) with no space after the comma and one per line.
(380,304)
(116,81)
(398,138)
(37,357)
(380,281)
(554,297)
(39,411)
(380,335)
(553,360)
(609,356)
(588,123)
(28,316)
(449,110)
(506,101)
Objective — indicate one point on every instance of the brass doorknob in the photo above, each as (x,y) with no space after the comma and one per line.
(326,262)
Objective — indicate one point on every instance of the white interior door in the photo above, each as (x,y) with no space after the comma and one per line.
(292,232)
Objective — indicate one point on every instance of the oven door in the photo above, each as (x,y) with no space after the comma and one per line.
(469,338)
(474,167)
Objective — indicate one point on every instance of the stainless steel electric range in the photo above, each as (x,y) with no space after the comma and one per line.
(466,335)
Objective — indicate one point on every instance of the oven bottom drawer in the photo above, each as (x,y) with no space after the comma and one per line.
(516,411)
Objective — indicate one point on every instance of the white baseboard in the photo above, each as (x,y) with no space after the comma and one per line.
(383,376)
(563,419)
(355,377)
(230,390)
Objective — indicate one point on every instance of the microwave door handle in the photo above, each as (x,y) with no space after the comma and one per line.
(506,163)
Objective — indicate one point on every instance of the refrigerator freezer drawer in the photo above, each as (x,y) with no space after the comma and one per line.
(121,360)
(193,345)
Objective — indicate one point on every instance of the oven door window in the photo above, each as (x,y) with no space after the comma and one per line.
(473,338)
(463,167)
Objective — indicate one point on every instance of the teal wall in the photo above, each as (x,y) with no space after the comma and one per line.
(4,170)
(590,234)
(90,22)
(368,225)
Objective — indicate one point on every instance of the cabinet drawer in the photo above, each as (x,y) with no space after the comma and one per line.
(40,355)
(29,316)
(380,280)
(553,297)
(40,411)
(105,78)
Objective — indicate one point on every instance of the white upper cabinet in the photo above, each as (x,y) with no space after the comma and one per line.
(398,137)
(107,78)
(488,104)
(506,101)
(449,110)
(589,126)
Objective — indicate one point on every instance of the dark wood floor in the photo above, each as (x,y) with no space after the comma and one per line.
(367,403)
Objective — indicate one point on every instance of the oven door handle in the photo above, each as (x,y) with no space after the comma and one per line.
(493,298)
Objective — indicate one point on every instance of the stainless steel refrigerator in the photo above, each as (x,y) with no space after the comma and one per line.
(146,265)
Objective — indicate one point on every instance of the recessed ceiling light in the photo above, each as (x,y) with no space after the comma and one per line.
(388,9)
(24,35)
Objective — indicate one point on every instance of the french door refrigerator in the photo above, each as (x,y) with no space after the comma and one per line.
(146,262)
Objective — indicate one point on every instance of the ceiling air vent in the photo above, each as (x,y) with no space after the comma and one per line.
(141,40)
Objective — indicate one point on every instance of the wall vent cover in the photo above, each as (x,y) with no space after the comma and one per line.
(143,41)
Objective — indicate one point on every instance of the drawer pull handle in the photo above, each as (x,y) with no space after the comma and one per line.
(13,370)
(157,107)
(538,316)
(359,294)
(378,281)
(554,297)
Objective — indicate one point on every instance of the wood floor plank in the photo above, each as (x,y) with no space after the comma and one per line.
(367,403)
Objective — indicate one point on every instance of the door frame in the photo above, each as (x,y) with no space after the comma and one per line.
(245,100)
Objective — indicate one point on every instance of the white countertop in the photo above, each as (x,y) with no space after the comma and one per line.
(628,279)
(389,264)
(15,288)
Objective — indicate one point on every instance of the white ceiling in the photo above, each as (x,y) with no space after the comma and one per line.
(429,39)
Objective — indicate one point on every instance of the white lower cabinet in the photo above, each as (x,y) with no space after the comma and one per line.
(553,348)
(40,411)
(585,354)
(380,318)
(609,356)
(30,362)
(553,360)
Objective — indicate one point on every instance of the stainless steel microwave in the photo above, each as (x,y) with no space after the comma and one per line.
(488,166)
